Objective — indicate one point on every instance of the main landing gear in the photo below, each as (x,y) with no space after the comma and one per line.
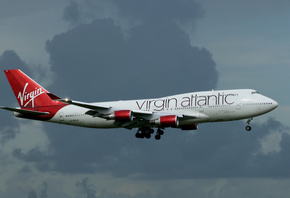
(147,132)
(248,127)
(158,134)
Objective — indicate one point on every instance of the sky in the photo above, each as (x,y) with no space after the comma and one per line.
(97,50)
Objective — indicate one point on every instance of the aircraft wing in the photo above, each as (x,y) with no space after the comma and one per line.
(25,111)
(141,118)
(85,105)
(188,116)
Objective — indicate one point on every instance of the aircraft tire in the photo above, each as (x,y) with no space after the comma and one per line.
(147,135)
(160,132)
(157,137)
(138,135)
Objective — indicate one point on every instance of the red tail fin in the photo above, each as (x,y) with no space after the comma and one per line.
(28,92)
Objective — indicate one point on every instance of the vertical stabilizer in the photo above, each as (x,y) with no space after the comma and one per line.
(28,92)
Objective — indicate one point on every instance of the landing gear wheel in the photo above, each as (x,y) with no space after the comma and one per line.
(248,128)
(160,132)
(138,135)
(142,135)
(144,132)
(157,137)
(148,135)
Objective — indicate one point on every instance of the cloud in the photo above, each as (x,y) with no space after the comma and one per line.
(72,13)
(80,12)
(10,59)
(10,127)
(19,8)
(42,194)
(185,11)
(95,61)
(86,188)
(7,133)
(154,60)
(214,151)
(32,194)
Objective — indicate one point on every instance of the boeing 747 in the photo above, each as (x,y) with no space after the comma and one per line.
(182,111)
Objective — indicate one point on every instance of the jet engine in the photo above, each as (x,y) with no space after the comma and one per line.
(167,121)
(121,116)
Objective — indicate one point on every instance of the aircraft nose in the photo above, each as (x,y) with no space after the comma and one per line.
(274,104)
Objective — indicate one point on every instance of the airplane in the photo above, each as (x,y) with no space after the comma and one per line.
(183,111)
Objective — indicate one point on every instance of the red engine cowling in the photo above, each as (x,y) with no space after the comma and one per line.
(167,121)
(122,116)
(189,127)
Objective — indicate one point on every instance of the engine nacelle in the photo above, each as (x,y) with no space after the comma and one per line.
(121,116)
(167,121)
(189,127)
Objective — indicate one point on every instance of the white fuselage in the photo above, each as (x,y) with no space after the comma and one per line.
(208,106)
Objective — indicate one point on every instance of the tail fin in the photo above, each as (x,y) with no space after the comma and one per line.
(28,92)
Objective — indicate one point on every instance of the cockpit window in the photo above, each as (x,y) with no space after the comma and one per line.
(255,92)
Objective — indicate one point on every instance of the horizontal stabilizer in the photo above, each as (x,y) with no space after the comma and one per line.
(25,111)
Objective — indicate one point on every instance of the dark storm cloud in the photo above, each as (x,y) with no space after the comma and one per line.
(9,127)
(95,62)
(214,151)
(7,133)
(32,194)
(72,13)
(42,194)
(19,8)
(86,188)
(25,169)
(184,11)
(34,155)
(10,60)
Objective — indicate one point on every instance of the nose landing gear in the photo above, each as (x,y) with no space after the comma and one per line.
(248,127)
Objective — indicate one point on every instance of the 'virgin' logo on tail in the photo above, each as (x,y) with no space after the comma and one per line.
(26,98)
